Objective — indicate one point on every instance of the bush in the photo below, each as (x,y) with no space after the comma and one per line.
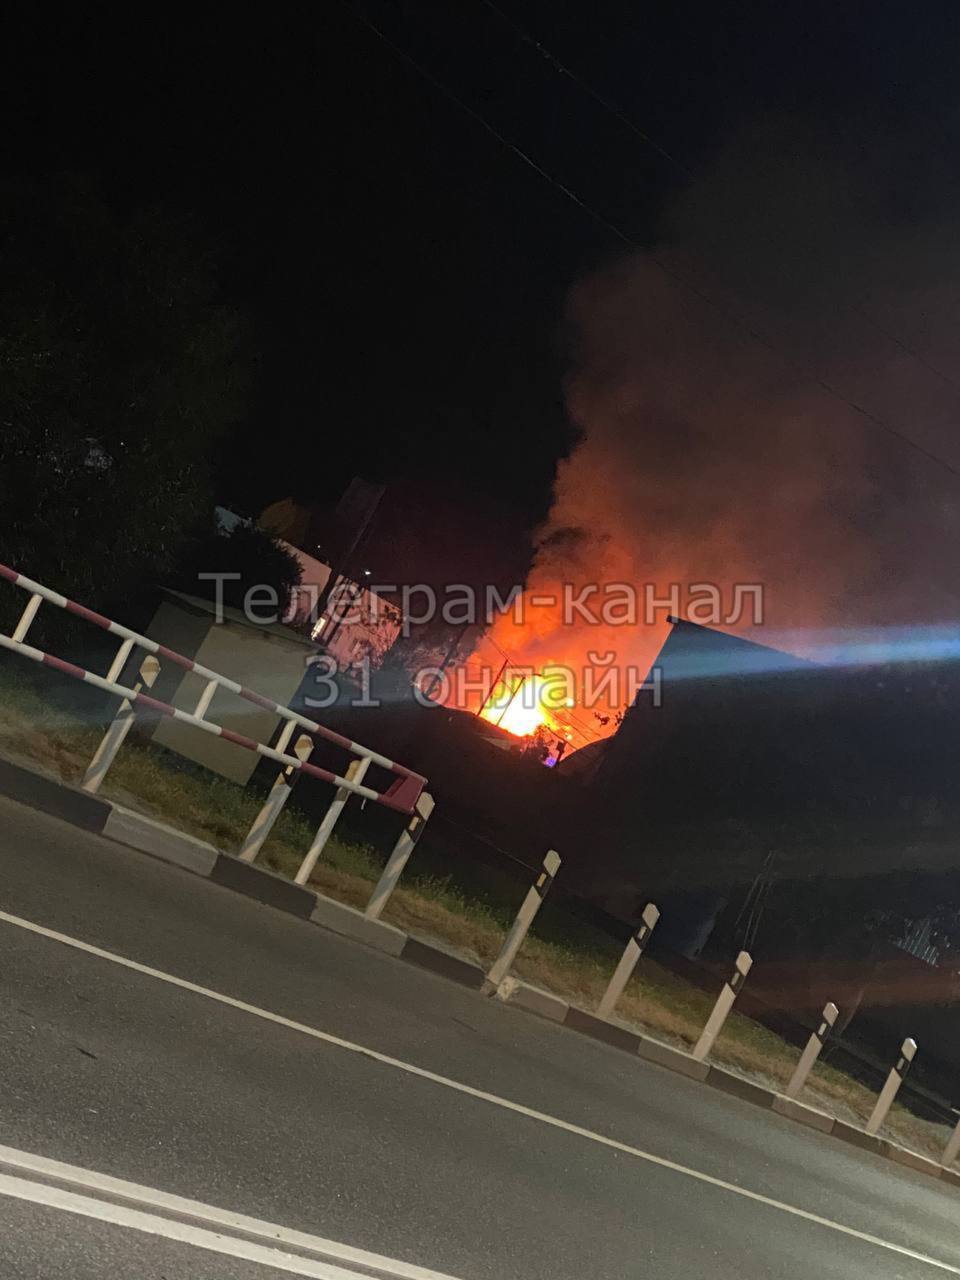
(248,558)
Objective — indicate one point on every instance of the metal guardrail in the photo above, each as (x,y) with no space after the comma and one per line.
(402,795)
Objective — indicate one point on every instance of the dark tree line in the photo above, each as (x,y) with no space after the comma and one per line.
(122,374)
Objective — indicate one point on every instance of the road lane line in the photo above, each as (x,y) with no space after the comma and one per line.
(172,1229)
(26,1167)
(480,1094)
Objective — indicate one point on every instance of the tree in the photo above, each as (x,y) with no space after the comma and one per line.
(250,558)
(120,376)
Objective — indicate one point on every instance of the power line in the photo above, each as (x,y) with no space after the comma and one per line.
(604,102)
(667,270)
(563,715)
(619,114)
(485,124)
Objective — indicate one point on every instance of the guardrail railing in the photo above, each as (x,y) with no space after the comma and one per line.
(405,794)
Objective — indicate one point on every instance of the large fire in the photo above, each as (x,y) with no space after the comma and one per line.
(522,703)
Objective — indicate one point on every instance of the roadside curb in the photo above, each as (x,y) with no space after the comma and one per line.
(802,1114)
(138,832)
(739,1087)
(523,995)
(922,1164)
(684,1064)
(590,1025)
(266,886)
(156,839)
(350,923)
(38,791)
(447,964)
(857,1137)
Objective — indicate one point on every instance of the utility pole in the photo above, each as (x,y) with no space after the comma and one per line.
(499,677)
(509,702)
(452,651)
(340,566)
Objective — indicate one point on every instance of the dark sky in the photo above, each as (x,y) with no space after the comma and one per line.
(406,272)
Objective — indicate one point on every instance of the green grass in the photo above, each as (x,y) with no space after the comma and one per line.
(562,954)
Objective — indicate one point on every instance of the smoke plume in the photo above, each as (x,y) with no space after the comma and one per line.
(711,450)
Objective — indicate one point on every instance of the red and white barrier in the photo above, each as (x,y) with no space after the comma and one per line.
(401,795)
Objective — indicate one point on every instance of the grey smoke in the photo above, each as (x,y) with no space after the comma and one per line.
(705,456)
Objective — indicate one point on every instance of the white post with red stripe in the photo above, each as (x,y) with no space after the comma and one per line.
(399,857)
(355,773)
(812,1052)
(891,1088)
(525,917)
(628,961)
(278,797)
(721,1009)
(122,723)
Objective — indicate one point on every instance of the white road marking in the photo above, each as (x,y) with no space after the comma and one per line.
(172,1229)
(24,1166)
(494,1099)
(40,1175)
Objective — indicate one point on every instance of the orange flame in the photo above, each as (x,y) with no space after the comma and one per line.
(521,704)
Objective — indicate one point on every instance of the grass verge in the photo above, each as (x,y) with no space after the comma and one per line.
(35,732)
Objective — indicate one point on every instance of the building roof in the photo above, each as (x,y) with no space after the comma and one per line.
(846,769)
(237,617)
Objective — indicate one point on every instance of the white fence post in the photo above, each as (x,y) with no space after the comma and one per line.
(525,916)
(628,961)
(731,989)
(278,797)
(399,857)
(28,615)
(120,726)
(206,697)
(812,1052)
(355,773)
(892,1087)
(952,1149)
(120,660)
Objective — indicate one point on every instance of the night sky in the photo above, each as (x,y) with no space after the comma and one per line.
(407,273)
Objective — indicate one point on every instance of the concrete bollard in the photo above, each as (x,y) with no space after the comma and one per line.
(628,961)
(122,722)
(398,859)
(279,795)
(812,1052)
(731,989)
(952,1149)
(525,917)
(892,1087)
(355,773)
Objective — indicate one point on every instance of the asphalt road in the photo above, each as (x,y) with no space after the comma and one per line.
(117,1071)
(46,1244)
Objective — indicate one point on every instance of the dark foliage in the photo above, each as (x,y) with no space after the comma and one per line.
(119,380)
(252,561)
